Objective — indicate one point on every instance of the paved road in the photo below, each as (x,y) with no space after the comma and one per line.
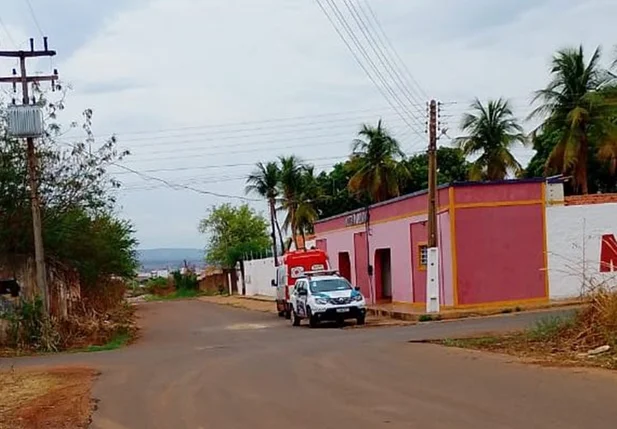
(199,365)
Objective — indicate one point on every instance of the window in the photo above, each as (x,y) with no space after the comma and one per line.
(422,256)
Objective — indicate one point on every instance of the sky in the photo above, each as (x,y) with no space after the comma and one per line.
(201,90)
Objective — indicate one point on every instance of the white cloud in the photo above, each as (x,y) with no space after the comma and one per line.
(171,63)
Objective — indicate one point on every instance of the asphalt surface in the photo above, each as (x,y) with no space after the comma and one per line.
(203,366)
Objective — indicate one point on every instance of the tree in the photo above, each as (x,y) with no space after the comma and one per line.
(375,162)
(336,198)
(574,104)
(451,167)
(310,192)
(290,188)
(492,131)
(601,175)
(264,181)
(234,232)
(80,228)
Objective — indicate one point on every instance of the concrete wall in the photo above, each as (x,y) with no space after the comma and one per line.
(574,244)
(258,275)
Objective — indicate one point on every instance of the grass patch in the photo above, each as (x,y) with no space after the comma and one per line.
(550,327)
(119,340)
(429,318)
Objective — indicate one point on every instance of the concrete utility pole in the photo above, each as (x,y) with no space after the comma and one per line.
(432,175)
(25,80)
(432,253)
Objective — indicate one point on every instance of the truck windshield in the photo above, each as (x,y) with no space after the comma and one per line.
(329,285)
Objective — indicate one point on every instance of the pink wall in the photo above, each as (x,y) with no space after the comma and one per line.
(513,191)
(395,236)
(499,246)
(418,235)
(445,259)
(500,254)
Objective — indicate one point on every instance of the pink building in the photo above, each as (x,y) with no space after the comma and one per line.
(492,244)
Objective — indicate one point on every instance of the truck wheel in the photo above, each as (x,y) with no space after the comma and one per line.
(295,320)
(361,320)
(313,320)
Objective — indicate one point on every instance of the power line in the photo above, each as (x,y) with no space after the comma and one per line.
(257,122)
(391,45)
(341,19)
(177,186)
(379,52)
(33,15)
(250,132)
(362,66)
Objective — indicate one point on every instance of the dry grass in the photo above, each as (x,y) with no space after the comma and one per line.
(561,341)
(51,399)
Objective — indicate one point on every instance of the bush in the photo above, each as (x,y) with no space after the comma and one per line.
(31,328)
(159,286)
(187,281)
(550,327)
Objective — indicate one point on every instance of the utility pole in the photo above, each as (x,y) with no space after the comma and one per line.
(432,175)
(32,164)
(432,253)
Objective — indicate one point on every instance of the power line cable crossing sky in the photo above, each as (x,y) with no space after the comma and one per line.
(273,77)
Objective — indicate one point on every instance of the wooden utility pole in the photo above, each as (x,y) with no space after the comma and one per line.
(432,175)
(32,164)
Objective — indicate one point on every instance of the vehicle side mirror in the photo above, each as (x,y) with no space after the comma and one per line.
(302,292)
(357,288)
(272,283)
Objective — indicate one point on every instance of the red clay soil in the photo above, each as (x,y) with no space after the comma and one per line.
(57,398)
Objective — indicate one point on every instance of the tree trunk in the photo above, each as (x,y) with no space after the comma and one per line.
(293,227)
(274,248)
(278,228)
(242,274)
(581,166)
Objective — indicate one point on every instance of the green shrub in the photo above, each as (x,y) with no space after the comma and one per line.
(187,281)
(550,327)
(31,328)
(425,318)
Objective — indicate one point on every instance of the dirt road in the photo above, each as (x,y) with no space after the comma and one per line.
(200,365)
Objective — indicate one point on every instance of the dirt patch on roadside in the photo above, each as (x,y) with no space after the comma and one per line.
(544,352)
(57,398)
(239,302)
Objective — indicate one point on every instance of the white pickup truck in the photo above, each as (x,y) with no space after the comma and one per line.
(326,296)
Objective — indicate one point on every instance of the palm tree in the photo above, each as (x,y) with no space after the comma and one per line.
(264,181)
(375,161)
(574,104)
(492,131)
(290,186)
(310,192)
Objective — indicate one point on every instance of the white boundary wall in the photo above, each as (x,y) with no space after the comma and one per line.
(574,240)
(258,274)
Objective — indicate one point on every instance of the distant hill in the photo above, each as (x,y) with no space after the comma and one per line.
(159,259)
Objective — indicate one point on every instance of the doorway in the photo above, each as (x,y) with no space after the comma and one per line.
(383,274)
(361,264)
(344,265)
